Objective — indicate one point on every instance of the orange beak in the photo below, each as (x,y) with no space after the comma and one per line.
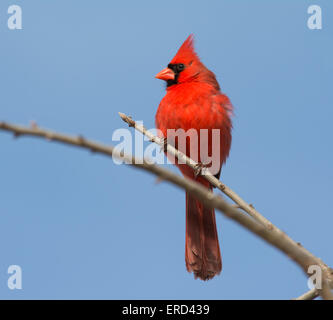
(166,74)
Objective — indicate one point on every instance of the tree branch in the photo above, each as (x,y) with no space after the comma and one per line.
(239,202)
(273,236)
(207,175)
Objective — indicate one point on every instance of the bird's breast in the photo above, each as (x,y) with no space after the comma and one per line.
(190,108)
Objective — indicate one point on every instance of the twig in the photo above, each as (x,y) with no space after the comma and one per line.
(277,239)
(314,293)
(310,295)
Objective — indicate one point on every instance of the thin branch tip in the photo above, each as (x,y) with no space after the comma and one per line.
(122,115)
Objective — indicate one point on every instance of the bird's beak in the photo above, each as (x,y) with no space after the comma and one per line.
(166,74)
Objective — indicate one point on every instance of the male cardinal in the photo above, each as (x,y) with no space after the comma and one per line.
(194,101)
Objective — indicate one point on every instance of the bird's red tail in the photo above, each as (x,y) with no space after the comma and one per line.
(202,250)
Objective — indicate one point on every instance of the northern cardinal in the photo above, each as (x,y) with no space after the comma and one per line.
(194,101)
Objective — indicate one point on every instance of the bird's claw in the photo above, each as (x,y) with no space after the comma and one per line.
(198,169)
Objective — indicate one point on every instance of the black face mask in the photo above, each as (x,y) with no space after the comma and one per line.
(177,69)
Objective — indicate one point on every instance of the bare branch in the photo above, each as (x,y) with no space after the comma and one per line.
(273,236)
(314,293)
(207,175)
(239,202)
(310,295)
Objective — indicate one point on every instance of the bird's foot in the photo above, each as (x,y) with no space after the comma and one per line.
(198,169)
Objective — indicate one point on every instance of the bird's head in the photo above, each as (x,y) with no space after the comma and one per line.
(184,67)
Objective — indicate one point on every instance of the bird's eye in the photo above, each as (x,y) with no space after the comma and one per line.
(180,67)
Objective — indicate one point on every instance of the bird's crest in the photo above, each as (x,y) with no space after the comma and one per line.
(186,52)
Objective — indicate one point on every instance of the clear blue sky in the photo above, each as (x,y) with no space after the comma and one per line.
(82,227)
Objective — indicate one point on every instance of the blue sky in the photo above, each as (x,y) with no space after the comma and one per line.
(82,227)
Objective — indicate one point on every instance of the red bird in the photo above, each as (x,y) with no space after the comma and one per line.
(194,101)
